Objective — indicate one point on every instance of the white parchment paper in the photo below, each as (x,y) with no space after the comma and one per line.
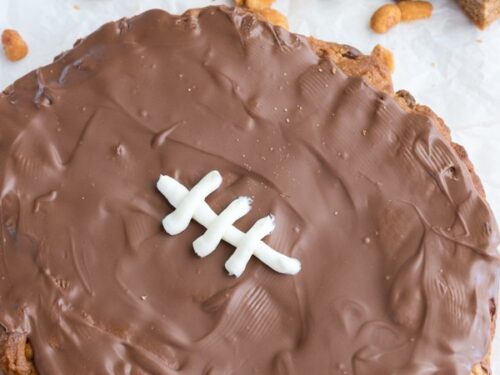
(444,62)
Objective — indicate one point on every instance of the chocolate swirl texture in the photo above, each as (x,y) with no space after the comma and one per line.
(398,249)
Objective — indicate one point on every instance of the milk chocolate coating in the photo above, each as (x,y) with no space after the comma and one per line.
(398,249)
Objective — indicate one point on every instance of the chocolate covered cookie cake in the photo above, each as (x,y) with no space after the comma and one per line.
(380,255)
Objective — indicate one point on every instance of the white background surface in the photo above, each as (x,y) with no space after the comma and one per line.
(444,62)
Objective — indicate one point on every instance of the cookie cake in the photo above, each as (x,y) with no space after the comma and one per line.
(212,194)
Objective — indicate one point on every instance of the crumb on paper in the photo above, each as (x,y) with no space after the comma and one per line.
(14,46)
(76,7)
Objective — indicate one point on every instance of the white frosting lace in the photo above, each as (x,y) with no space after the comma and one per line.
(190,204)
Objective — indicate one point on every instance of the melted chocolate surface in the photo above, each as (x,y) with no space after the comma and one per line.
(398,249)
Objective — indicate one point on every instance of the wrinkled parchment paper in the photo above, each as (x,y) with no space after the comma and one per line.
(444,62)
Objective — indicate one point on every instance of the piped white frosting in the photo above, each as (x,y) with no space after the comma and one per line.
(190,204)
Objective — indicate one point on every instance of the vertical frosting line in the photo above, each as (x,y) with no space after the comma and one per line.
(237,263)
(178,220)
(208,242)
